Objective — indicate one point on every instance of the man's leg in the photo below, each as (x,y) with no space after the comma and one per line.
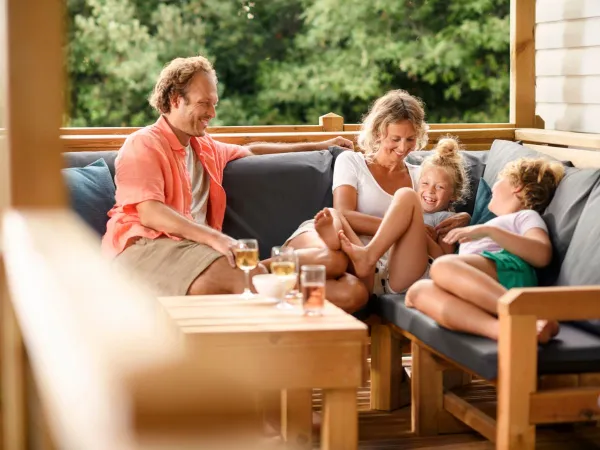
(347,292)
(221,278)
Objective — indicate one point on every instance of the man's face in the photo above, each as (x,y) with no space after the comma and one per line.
(192,113)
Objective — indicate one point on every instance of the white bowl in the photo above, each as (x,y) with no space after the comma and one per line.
(269,285)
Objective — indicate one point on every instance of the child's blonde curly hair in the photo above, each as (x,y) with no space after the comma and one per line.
(538,179)
(446,155)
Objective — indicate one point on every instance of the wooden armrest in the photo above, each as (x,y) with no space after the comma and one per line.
(552,303)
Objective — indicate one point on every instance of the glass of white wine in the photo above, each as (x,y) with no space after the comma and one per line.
(283,264)
(246,258)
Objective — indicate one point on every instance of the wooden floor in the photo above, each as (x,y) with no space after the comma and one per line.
(386,431)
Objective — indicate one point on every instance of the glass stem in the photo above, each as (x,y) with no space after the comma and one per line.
(247,290)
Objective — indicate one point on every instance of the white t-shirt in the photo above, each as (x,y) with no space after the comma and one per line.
(351,170)
(200,186)
(519,223)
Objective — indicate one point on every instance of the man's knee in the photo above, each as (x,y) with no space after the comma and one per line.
(218,278)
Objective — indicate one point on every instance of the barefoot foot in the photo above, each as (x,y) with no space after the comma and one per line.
(546,330)
(358,255)
(326,230)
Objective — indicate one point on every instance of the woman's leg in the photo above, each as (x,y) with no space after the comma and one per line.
(328,223)
(402,227)
(347,292)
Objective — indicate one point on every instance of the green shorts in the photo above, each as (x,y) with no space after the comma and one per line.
(513,272)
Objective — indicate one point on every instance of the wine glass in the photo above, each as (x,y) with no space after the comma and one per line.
(246,258)
(283,264)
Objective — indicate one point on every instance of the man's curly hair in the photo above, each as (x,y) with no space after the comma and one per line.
(537,178)
(175,78)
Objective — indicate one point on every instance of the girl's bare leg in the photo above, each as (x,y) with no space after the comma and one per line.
(328,223)
(402,227)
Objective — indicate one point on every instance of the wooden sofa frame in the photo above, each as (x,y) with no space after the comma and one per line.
(524,400)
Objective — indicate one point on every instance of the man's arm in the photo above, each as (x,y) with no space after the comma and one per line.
(267,148)
(158,216)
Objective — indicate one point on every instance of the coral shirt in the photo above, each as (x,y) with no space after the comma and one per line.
(151,165)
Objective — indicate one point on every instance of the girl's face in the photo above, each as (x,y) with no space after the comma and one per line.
(400,139)
(436,189)
(504,197)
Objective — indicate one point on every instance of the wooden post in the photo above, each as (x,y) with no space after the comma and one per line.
(517,372)
(296,418)
(387,371)
(340,420)
(522,63)
(331,122)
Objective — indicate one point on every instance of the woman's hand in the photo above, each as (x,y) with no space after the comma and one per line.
(456,221)
(466,234)
(431,232)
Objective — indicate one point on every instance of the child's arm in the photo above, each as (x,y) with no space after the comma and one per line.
(436,246)
(533,247)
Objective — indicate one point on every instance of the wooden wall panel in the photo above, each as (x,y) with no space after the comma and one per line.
(568,34)
(557,10)
(570,117)
(568,89)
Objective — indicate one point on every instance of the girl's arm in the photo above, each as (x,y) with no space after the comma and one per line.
(533,247)
(436,246)
(345,199)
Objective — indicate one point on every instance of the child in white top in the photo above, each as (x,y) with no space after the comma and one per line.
(399,250)
(501,254)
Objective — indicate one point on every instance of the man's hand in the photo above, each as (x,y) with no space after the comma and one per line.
(340,142)
(223,244)
(431,232)
(467,234)
(455,221)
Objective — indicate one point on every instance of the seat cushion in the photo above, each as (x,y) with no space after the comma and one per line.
(573,351)
(475,163)
(269,196)
(92,193)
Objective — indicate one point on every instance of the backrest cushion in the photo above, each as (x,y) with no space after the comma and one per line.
(92,193)
(269,196)
(501,153)
(481,213)
(82,159)
(475,164)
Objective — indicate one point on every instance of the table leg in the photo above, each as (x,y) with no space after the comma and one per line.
(340,420)
(296,418)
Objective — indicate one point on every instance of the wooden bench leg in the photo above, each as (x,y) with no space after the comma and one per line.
(517,372)
(296,418)
(429,378)
(340,420)
(390,389)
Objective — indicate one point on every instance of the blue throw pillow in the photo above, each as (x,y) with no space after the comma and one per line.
(92,192)
(481,213)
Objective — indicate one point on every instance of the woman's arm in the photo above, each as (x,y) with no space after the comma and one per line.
(533,247)
(345,199)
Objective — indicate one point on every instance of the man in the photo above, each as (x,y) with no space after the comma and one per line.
(170,203)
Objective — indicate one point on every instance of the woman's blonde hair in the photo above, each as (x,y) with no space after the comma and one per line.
(538,179)
(393,107)
(175,78)
(446,155)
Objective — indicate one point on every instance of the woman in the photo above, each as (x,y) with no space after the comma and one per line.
(363,189)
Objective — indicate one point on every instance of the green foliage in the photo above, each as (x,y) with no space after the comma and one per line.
(289,61)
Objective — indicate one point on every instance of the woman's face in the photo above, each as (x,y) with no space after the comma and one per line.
(399,140)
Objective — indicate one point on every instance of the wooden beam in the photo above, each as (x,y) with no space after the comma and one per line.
(581,158)
(35,88)
(470,415)
(553,137)
(552,303)
(517,372)
(565,405)
(522,63)
(331,122)
(386,369)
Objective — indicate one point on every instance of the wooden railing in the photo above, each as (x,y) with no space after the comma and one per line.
(472,136)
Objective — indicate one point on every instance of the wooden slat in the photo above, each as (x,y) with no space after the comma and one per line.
(470,415)
(568,34)
(522,63)
(558,10)
(565,405)
(517,371)
(572,61)
(570,117)
(553,137)
(82,131)
(568,89)
(448,126)
(579,157)
(35,77)
(553,303)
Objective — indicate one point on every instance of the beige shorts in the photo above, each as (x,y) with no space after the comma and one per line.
(307,225)
(167,266)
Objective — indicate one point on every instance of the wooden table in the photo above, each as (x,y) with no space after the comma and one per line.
(284,351)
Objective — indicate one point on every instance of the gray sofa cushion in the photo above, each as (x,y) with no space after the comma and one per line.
(269,196)
(563,214)
(501,153)
(572,351)
(82,159)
